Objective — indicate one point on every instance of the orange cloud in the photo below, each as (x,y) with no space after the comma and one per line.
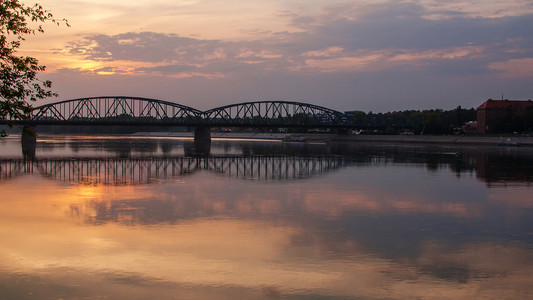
(438,10)
(513,68)
(335,59)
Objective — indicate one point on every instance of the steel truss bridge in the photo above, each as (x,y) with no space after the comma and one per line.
(144,170)
(144,111)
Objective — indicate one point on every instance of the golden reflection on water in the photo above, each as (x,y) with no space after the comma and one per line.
(101,239)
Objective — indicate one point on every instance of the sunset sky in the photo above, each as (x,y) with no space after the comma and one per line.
(347,55)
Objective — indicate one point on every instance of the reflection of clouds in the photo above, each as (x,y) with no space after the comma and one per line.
(264,240)
(252,255)
(514,196)
(475,260)
(379,191)
(487,270)
(387,190)
(385,203)
(382,192)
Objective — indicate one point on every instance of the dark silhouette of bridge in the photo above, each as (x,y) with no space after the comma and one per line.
(144,170)
(136,111)
(144,111)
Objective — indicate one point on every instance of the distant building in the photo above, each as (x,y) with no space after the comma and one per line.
(496,116)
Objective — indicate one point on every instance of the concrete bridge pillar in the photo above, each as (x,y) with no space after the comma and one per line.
(202,140)
(28,141)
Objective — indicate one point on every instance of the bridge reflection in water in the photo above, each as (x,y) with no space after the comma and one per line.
(143,170)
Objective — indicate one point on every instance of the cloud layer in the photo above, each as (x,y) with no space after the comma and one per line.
(404,47)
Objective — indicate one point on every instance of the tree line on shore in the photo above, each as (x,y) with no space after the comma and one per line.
(434,121)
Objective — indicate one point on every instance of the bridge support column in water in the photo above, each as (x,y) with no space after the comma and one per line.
(202,140)
(28,140)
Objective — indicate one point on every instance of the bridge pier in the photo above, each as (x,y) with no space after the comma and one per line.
(28,140)
(202,140)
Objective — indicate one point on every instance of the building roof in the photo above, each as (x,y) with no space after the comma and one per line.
(513,104)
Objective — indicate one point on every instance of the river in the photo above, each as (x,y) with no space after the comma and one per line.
(121,217)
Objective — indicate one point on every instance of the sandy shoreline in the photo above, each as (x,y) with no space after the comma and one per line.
(451,139)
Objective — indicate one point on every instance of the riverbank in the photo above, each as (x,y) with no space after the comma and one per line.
(220,135)
(448,139)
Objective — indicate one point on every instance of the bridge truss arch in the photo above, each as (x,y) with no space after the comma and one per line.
(275,114)
(116,111)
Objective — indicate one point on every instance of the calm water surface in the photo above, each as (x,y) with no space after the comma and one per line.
(146,218)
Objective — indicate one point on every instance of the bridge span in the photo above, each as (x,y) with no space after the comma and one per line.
(137,111)
(145,111)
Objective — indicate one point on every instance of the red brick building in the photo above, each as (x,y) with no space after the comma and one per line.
(494,116)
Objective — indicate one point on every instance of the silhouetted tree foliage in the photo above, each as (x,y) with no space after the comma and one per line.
(434,121)
(18,74)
